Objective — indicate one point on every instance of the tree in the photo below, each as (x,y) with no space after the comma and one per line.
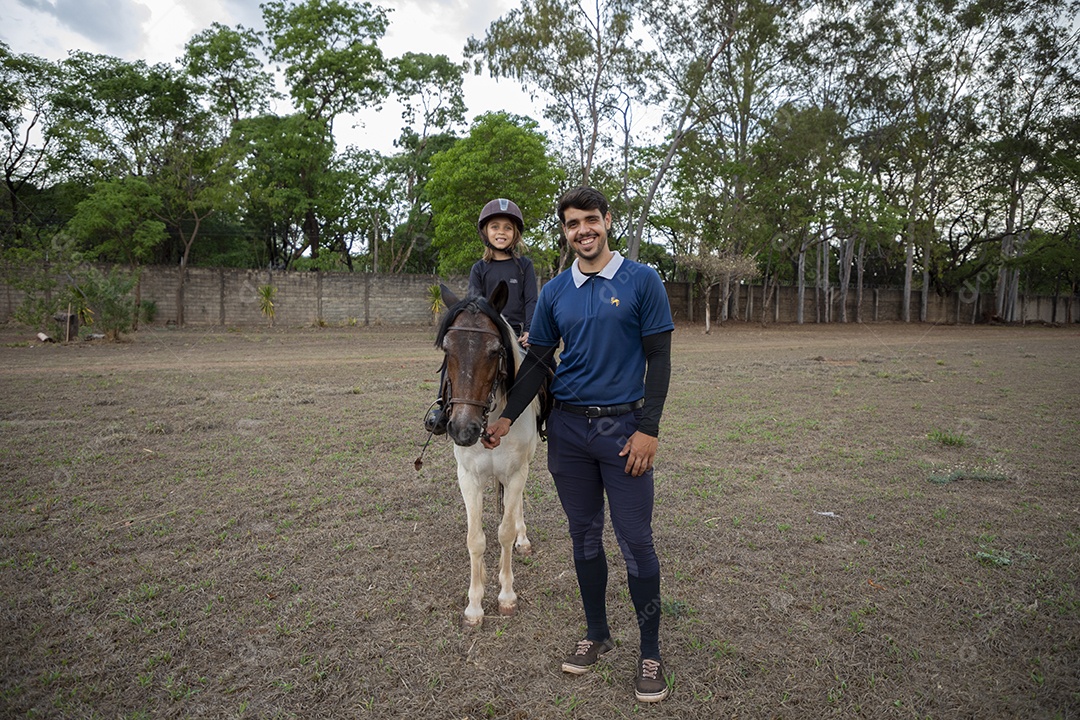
(581,55)
(503,156)
(193,180)
(332,66)
(691,37)
(332,62)
(118,223)
(1032,80)
(430,90)
(712,269)
(223,61)
(26,86)
(113,117)
(283,172)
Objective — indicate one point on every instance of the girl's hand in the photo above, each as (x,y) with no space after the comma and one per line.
(524,339)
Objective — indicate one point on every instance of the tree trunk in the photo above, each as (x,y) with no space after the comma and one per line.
(860,281)
(845,277)
(909,264)
(725,298)
(708,312)
(802,283)
(180,291)
(925,296)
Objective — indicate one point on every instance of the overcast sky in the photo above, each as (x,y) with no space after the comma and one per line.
(156,31)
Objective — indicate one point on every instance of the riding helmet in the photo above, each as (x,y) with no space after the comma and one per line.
(500,206)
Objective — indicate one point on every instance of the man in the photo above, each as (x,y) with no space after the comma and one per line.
(613,319)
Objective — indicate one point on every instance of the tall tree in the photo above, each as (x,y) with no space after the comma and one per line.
(283,175)
(26,86)
(332,66)
(430,90)
(225,62)
(503,156)
(1032,80)
(113,117)
(581,55)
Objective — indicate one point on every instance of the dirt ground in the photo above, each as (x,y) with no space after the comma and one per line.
(877,521)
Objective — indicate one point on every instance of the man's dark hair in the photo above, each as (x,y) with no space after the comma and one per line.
(583,198)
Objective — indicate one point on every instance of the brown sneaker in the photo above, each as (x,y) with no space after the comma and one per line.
(650,684)
(585,655)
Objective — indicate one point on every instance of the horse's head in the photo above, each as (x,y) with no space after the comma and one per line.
(478,344)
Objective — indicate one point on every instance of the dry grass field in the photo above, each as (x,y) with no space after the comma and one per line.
(877,521)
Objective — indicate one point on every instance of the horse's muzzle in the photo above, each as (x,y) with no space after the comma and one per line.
(465,432)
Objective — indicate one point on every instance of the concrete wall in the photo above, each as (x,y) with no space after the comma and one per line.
(220,296)
(878,305)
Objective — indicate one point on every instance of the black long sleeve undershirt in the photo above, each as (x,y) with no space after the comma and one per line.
(529,380)
(657,349)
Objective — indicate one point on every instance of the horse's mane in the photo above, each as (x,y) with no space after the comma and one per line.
(477,304)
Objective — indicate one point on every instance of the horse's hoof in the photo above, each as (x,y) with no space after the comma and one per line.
(524,549)
(468,624)
(508,610)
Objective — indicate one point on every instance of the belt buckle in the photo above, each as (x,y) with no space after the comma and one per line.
(593,411)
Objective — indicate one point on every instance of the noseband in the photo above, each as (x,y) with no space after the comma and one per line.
(489,404)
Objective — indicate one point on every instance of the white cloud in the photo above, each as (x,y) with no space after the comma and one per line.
(115,26)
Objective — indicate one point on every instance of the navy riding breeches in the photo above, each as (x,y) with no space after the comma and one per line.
(583,458)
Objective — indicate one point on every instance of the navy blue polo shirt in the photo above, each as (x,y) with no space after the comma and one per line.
(601,320)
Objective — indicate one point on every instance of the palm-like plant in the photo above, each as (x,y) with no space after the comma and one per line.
(435,299)
(266,301)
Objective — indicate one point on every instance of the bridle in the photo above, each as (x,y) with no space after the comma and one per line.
(489,404)
(446,392)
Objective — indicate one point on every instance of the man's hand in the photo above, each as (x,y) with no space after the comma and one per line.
(494,432)
(639,452)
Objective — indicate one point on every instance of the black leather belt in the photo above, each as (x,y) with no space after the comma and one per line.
(594,411)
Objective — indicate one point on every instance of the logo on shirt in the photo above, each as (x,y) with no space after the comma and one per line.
(615,301)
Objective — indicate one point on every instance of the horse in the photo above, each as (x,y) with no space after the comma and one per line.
(482,357)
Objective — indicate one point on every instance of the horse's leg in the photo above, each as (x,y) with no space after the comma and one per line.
(472,492)
(511,532)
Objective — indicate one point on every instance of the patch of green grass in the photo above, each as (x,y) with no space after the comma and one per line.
(995,558)
(947,438)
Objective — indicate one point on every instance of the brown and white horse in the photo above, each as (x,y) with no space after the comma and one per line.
(482,359)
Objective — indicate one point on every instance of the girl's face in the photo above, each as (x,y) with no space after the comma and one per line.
(501,233)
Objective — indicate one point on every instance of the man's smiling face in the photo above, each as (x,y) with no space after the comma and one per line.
(587,233)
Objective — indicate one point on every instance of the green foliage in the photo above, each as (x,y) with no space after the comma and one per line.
(117,222)
(503,156)
(435,299)
(948,438)
(266,294)
(225,63)
(40,270)
(147,311)
(329,49)
(286,179)
(108,297)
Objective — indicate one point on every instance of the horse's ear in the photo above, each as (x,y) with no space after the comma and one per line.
(499,296)
(448,296)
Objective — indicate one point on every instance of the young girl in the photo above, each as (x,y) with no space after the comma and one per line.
(500,226)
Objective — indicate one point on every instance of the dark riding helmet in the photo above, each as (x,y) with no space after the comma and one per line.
(500,206)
